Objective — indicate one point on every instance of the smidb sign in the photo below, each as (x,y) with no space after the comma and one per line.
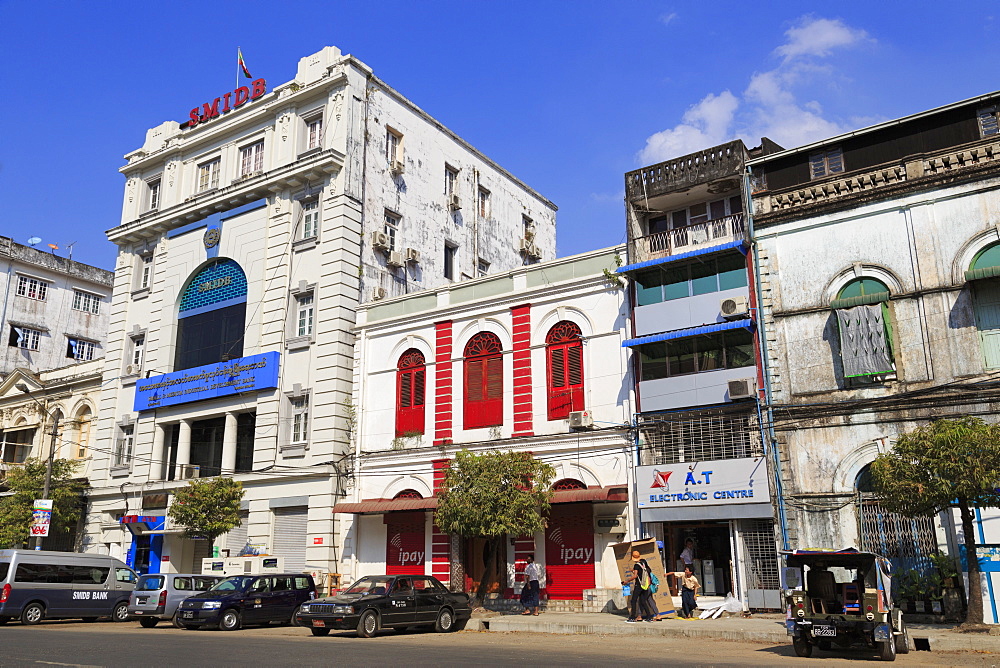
(246,374)
(711,483)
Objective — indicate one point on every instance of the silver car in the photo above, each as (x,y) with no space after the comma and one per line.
(157,595)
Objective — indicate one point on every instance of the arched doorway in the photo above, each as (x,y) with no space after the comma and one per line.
(907,541)
(211,316)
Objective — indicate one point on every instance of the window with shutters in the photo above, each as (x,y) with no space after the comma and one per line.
(483,381)
(564,353)
(411,381)
(988,121)
(824,163)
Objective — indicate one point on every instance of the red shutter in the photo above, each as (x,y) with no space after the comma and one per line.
(569,551)
(483,382)
(410,386)
(565,370)
(405,543)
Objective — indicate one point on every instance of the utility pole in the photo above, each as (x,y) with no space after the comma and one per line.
(52,450)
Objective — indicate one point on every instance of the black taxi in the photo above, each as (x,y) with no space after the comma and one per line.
(387,602)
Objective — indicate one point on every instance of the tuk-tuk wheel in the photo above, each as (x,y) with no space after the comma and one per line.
(802,647)
(887,651)
(902,640)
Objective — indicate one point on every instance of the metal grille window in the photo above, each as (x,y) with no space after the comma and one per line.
(907,541)
(760,558)
(252,159)
(699,436)
(32,288)
(208,175)
(84,301)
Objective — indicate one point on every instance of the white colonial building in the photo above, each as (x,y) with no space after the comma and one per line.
(511,361)
(249,236)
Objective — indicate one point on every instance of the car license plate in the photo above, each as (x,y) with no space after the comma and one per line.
(829,631)
(319,623)
(188,615)
(144,599)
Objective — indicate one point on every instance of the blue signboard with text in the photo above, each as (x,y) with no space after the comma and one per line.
(246,374)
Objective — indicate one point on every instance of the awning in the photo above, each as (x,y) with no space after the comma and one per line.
(740,245)
(610,494)
(746,323)
(981,273)
(613,494)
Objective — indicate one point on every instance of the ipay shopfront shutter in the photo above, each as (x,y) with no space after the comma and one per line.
(405,543)
(290,526)
(569,551)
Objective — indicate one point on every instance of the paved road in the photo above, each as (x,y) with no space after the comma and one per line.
(107,644)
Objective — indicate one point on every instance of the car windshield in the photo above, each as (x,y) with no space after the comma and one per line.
(149,583)
(370,585)
(237,583)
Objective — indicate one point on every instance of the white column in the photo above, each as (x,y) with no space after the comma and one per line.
(229,445)
(183,446)
(156,466)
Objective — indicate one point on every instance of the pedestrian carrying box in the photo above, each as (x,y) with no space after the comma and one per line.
(648,550)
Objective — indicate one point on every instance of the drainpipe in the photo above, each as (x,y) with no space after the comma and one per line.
(475,223)
(767,435)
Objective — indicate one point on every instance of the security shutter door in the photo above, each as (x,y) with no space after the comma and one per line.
(290,537)
(569,551)
(236,539)
(202,550)
(405,543)
(988,320)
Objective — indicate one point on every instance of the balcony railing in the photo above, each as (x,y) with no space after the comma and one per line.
(725,161)
(684,239)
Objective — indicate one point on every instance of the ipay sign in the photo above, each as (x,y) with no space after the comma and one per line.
(230,101)
(718,482)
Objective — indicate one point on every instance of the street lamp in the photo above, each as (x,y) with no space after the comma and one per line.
(52,449)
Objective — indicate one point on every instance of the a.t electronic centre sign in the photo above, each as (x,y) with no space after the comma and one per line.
(246,374)
(711,483)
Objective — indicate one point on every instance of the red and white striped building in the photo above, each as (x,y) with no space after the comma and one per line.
(499,362)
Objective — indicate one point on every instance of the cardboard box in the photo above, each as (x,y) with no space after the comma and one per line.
(648,551)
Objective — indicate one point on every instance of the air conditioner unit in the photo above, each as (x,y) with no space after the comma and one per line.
(454,203)
(395,259)
(529,248)
(581,420)
(378,293)
(412,255)
(397,166)
(380,240)
(189,471)
(734,307)
(742,388)
(131,369)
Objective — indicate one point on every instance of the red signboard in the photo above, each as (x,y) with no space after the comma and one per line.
(230,101)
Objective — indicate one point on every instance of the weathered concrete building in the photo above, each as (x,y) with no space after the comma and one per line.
(878,254)
(53,311)
(704,480)
(527,360)
(249,235)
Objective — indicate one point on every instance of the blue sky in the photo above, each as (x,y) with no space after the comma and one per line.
(567,96)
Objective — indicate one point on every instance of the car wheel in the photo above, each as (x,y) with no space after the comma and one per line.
(368,624)
(320,632)
(291,620)
(445,621)
(176,620)
(148,622)
(887,650)
(121,612)
(903,639)
(32,614)
(230,620)
(802,647)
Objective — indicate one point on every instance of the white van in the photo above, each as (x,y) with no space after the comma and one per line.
(35,585)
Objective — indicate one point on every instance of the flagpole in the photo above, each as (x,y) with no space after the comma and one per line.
(238,52)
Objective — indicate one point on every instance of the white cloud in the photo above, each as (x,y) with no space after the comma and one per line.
(665,19)
(771,104)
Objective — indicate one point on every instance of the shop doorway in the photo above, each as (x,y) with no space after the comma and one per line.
(476,554)
(710,549)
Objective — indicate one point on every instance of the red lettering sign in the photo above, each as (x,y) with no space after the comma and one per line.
(239,97)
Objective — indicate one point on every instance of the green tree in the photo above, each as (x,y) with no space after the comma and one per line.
(207,508)
(949,461)
(26,483)
(493,495)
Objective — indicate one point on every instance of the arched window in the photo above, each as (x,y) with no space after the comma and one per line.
(564,359)
(865,326)
(409,494)
(983,273)
(568,484)
(211,316)
(411,382)
(483,381)
(862,291)
(84,416)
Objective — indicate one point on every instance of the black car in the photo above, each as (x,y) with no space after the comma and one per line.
(387,602)
(247,599)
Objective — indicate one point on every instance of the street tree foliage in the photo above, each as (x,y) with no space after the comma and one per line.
(947,462)
(207,507)
(26,482)
(493,495)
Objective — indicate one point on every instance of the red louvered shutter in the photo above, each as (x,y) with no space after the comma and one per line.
(410,385)
(569,551)
(405,543)
(565,370)
(483,382)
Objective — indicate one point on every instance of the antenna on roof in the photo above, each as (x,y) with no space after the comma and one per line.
(69,247)
(34,240)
